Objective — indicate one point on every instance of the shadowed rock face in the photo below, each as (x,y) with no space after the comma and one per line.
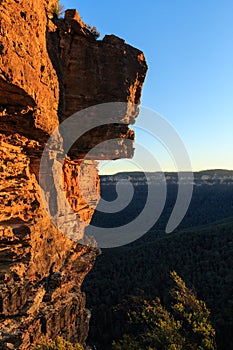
(50,69)
(95,72)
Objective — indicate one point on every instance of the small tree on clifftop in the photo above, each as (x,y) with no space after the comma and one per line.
(57,9)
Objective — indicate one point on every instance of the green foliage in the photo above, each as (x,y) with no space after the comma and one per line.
(187,326)
(58,344)
(157,329)
(193,315)
(57,9)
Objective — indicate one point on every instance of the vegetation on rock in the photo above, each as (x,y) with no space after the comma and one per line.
(58,344)
(57,9)
(93,31)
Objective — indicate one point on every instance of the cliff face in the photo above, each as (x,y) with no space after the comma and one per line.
(50,69)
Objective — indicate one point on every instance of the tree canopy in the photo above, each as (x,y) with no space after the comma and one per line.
(185,326)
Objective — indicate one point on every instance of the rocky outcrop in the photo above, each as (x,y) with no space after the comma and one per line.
(26,71)
(97,71)
(51,68)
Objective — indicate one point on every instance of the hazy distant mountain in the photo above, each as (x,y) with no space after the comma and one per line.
(212,197)
(205,177)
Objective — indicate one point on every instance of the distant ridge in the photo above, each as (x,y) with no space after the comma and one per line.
(204,177)
(218,172)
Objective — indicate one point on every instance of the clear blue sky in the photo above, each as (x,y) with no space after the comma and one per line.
(188,46)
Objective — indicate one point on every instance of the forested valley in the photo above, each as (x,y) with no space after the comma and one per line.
(200,251)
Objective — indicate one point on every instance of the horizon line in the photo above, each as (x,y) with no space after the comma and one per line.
(167,171)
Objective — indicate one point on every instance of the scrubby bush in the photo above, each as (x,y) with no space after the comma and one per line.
(185,326)
(58,344)
(93,31)
(57,9)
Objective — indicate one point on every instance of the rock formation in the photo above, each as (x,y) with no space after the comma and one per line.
(51,68)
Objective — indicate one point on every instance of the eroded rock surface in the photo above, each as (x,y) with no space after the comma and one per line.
(96,72)
(49,69)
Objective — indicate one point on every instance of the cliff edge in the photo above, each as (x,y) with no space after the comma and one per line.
(51,68)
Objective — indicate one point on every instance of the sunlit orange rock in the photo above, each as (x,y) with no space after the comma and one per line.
(51,68)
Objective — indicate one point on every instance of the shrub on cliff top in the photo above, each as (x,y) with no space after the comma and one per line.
(58,344)
(93,31)
(57,9)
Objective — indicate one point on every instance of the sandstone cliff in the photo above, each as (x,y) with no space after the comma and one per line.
(49,69)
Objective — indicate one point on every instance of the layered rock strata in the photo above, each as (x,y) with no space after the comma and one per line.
(49,69)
